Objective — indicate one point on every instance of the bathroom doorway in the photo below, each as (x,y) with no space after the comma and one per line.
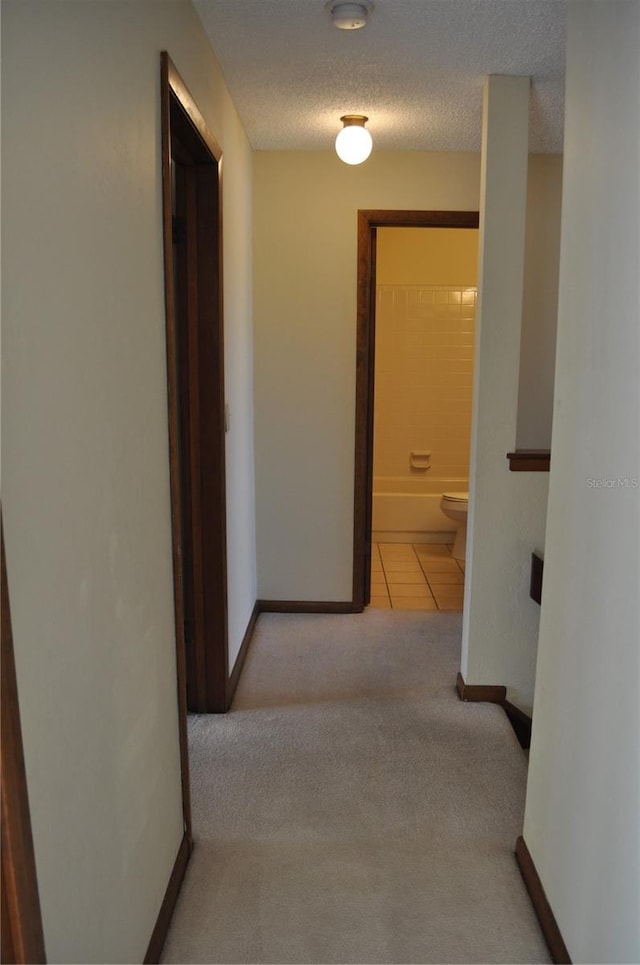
(416,309)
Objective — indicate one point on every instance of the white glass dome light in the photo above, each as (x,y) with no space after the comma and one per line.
(349,15)
(354,143)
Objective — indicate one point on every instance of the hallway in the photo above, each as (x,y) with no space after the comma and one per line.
(350,809)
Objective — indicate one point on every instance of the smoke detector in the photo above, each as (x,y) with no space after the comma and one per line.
(349,16)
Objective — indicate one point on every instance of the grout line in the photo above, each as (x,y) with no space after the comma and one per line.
(384,574)
(421,566)
(426,578)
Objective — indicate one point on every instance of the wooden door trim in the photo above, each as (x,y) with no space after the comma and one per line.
(166,78)
(22,932)
(180,118)
(186,137)
(368,223)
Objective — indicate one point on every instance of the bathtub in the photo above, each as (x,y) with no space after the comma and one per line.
(407,509)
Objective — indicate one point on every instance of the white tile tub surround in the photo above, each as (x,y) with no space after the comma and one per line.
(423,393)
(424,376)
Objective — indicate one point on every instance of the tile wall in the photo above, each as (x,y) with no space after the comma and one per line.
(424,377)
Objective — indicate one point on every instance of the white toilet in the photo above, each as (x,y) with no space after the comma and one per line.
(455,505)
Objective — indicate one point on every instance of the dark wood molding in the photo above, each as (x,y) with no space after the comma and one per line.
(174,432)
(495,694)
(189,106)
(305,606)
(383,218)
(234,677)
(529,460)
(22,932)
(368,223)
(365,339)
(541,906)
(520,722)
(159,936)
(484,693)
(537,572)
(195,376)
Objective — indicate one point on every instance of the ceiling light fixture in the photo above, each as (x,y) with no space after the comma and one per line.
(349,16)
(353,143)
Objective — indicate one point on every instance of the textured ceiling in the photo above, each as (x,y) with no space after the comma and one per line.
(416,70)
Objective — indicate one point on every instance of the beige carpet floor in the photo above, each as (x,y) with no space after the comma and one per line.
(350,809)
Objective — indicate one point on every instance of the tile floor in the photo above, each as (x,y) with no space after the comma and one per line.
(416,576)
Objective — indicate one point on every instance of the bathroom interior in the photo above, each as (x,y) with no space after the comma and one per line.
(426,292)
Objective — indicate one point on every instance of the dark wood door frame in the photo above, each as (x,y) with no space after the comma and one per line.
(193,300)
(22,933)
(368,223)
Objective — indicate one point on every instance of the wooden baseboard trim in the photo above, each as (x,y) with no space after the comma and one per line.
(159,936)
(234,677)
(305,606)
(541,906)
(480,692)
(276,606)
(535,582)
(520,721)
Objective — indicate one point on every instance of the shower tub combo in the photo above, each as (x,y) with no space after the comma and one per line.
(407,510)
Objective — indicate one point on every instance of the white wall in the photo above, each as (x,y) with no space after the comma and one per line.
(540,302)
(582,820)
(305,339)
(85,456)
(305,247)
(507,510)
(237,182)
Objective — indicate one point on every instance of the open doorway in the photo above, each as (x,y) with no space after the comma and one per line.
(195,383)
(405,510)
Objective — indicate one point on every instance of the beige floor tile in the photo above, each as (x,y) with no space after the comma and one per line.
(450,577)
(404,578)
(410,589)
(396,551)
(446,589)
(380,602)
(413,603)
(380,583)
(432,549)
(405,568)
(439,566)
(444,596)
(402,566)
